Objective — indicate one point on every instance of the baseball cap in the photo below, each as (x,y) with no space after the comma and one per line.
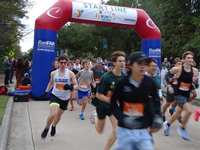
(136,57)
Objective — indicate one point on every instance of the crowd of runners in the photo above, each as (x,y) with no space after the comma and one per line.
(130,91)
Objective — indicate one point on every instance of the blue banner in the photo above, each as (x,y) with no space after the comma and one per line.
(152,48)
(43,57)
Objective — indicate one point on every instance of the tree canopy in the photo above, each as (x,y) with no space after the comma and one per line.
(178,21)
(11,11)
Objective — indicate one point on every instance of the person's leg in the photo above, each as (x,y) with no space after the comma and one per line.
(175,115)
(72,104)
(112,137)
(6,78)
(56,119)
(145,144)
(11,76)
(167,124)
(124,140)
(188,112)
(172,108)
(185,118)
(53,108)
(99,125)
(164,108)
(101,117)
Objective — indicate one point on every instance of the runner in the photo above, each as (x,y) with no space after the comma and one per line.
(186,75)
(136,105)
(85,79)
(105,88)
(151,71)
(171,83)
(63,82)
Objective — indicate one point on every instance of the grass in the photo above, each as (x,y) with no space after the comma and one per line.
(3,103)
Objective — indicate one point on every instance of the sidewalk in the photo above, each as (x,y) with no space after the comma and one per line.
(73,134)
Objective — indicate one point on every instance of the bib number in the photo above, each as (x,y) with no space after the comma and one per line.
(185,86)
(133,109)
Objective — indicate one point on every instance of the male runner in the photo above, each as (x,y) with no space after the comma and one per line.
(136,105)
(105,89)
(63,81)
(186,75)
(85,80)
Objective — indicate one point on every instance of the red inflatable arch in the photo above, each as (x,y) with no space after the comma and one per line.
(63,11)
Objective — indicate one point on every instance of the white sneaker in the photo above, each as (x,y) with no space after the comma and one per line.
(182,132)
(166,129)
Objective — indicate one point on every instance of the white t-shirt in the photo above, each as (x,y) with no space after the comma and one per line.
(59,82)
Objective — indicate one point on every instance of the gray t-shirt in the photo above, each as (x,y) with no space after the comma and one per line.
(85,77)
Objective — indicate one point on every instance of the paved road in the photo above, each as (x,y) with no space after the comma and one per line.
(73,134)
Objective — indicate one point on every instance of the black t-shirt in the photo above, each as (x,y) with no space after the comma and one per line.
(139,104)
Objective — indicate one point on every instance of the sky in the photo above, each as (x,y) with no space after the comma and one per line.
(38,7)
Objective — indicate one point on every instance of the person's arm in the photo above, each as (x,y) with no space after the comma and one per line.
(73,81)
(50,84)
(115,108)
(157,118)
(93,81)
(174,70)
(103,97)
(195,78)
(102,91)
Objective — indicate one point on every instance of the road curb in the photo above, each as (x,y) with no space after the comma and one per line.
(5,127)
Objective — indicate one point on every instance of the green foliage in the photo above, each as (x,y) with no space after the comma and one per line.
(178,21)
(11,11)
(3,103)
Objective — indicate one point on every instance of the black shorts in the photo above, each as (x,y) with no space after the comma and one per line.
(170,97)
(62,104)
(103,109)
(181,100)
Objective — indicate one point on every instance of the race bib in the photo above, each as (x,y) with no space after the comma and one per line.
(60,86)
(133,109)
(184,86)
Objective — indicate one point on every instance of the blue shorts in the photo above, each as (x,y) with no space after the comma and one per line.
(181,100)
(83,94)
(135,139)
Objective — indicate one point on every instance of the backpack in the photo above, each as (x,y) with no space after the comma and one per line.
(3,90)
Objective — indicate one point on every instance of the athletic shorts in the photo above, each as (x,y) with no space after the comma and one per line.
(56,101)
(181,100)
(170,97)
(103,109)
(83,94)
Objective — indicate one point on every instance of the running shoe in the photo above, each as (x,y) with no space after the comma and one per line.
(53,131)
(44,133)
(166,128)
(81,116)
(182,132)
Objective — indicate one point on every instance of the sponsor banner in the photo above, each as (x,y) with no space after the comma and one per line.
(46,46)
(152,48)
(104,13)
(154,52)
(43,57)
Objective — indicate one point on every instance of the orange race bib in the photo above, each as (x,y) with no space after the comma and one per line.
(184,86)
(60,86)
(133,109)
